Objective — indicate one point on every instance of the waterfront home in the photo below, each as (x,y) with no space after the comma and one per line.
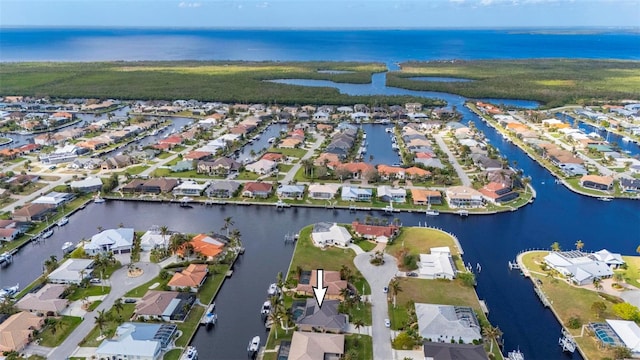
(429,162)
(192,278)
(326,233)
(464,196)
(447,323)
(85,163)
(183,165)
(449,351)
(222,189)
(117,241)
(426,197)
(290,143)
(117,162)
(618,333)
(323,191)
(580,268)
(262,167)
(290,191)
(413,107)
(158,185)
(272,156)
(257,190)
(377,233)
(416,173)
(391,172)
(597,182)
(387,193)
(54,199)
(486,163)
(153,238)
(356,170)
(496,192)
(66,153)
(134,340)
(205,245)
(351,193)
(71,271)
(33,212)
(167,306)
(196,155)
(327,159)
(221,166)
(630,185)
(89,184)
(314,318)
(9,234)
(17,331)
(438,264)
(316,346)
(22,179)
(189,188)
(612,259)
(331,279)
(46,301)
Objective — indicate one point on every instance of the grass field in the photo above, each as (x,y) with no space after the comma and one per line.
(420,241)
(55,338)
(229,81)
(554,82)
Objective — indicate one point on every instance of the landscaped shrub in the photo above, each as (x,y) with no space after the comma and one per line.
(403,342)
(574,322)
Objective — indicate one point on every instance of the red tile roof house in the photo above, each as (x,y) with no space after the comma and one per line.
(332,281)
(172,140)
(498,192)
(277,157)
(257,190)
(377,233)
(357,170)
(197,155)
(192,278)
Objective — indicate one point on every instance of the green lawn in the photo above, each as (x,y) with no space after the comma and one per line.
(247,175)
(296,153)
(211,286)
(421,240)
(362,312)
(135,170)
(190,325)
(90,290)
(309,257)
(632,273)
(142,289)
(172,354)
(49,338)
(164,155)
(109,328)
(284,167)
(362,343)
(366,245)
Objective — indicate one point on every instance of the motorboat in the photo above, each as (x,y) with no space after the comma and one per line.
(210,317)
(515,355)
(432,212)
(190,353)
(389,130)
(605,199)
(97,199)
(266,308)
(9,291)
(47,233)
(273,289)
(626,139)
(67,247)
(462,212)
(63,221)
(254,345)
(271,140)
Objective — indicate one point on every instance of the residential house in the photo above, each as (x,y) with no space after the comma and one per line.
(331,279)
(222,189)
(158,185)
(192,278)
(153,239)
(316,346)
(222,166)
(134,340)
(438,264)
(257,190)
(33,212)
(450,351)
(377,233)
(290,191)
(290,143)
(323,191)
(197,155)
(117,241)
(54,198)
(66,153)
(46,301)
(597,182)
(486,163)
(330,160)
(117,162)
(356,170)
(390,194)
(350,193)
(429,162)
(447,323)
(206,245)
(630,185)
(326,233)
(276,157)
(164,306)
(426,197)
(190,188)
(183,165)
(314,318)
(17,331)
(580,268)
(464,196)
(391,172)
(71,271)
(262,167)
(89,184)
(498,192)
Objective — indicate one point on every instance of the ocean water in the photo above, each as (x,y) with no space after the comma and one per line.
(60,44)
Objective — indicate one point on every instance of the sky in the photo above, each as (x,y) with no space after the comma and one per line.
(396,14)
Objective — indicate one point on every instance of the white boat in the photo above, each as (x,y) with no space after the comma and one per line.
(273,289)
(210,317)
(67,247)
(605,199)
(63,221)
(432,212)
(97,199)
(254,345)
(462,212)
(266,308)
(271,140)
(515,355)
(47,233)
(9,291)
(389,130)
(626,139)
(190,354)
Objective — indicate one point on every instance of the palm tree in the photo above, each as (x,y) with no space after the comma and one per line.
(358,323)
(555,246)
(228,223)
(346,273)
(100,228)
(492,334)
(164,231)
(55,325)
(235,238)
(51,263)
(394,287)
(101,320)
(274,317)
(280,280)
(579,245)
(118,305)
(597,283)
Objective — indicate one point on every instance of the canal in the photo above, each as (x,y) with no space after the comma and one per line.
(379,150)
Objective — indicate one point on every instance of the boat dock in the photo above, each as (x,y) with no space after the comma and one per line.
(484,307)
(542,296)
(514,265)
(566,342)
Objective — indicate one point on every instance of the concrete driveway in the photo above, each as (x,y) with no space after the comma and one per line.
(120,284)
(378,277)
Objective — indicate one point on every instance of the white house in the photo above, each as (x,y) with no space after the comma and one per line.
(629,333)
(190,188)
(118,241)
(89,184)
(137,341)
(350,193)
(438,264)
(72,271)
(581,268)
(447,323)
(262,166)
(54,198)
(325,233)
(153,239)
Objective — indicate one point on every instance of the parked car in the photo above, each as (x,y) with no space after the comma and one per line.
(130,301)
(95,281)
(387,323)
(385,289)
(412,274)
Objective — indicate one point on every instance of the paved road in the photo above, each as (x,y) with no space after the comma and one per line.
(378,277)
(121,283)
(292,173)
(466,181)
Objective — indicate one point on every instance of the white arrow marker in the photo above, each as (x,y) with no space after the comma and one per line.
(319,291)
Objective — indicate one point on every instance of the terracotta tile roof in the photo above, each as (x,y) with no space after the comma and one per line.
(257,186)
(196,155)
(331,280)
(355,167)
(205,245)
(192,276)
(16,331)
(416,171)
(374,230)
(154,302)
(272,156)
